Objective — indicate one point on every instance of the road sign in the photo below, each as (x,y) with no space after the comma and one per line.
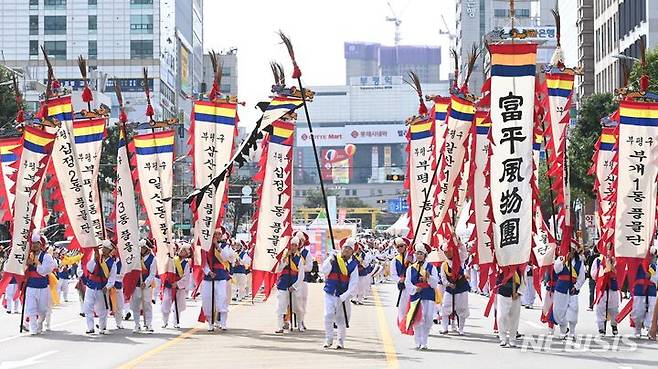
(398,205)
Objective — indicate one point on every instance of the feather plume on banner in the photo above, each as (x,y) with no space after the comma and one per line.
(512,86)
(420,168)
(632,212)
(9,147)
(272,222)
(212,132)
(153,172)
(71,192)
(34,153)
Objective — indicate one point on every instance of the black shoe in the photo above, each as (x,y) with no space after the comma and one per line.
(127,317)
(90,332)
(602,332)
(435,321)
(82,315)
(614,330)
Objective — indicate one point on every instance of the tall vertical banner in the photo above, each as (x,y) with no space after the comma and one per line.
(88,135)
(211,142)
(512,128)
(8,155)
(453,156)
(272,226)
(604,179)
(480,196)
(125,211)
(558,90)
(70,193)
(420,168)
(634,205)
(544,245)
(35,152)
(154,153)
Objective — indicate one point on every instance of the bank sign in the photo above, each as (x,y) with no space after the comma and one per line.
(353,134)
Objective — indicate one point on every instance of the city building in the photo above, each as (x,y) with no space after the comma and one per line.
(585,23)
(373,59)
(368,112)
(620,27)
(118,38)
(479,20)
(229,62)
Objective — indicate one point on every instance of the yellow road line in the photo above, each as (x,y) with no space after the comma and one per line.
(138,360)
(385,333)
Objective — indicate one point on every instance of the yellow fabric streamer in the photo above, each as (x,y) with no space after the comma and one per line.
(71,260)
(52,286)
(113,299)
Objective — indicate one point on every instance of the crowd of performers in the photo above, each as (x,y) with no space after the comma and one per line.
(430,292)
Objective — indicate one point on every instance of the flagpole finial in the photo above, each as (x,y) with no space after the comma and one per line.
(296,73)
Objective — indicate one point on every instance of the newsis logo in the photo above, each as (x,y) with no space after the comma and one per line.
(581,343)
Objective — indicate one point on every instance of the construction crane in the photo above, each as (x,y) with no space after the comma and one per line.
(396,21)
(446,30)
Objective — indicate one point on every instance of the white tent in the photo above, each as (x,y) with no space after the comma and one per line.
(400,227)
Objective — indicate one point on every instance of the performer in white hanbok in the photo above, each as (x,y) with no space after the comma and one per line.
(141,298)
(179,288)
(37,294)
(100,275)
(421,280)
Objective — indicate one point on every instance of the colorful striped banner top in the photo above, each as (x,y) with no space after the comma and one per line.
(284,102)
(7,145)
(559,84)
(60,108)
(36,140)
(92,130)
(205,111)
(637,113)
(441,109)
(154,143)
(421,129)
(482,124)
(608,139)
(461,109)
(513,60)
(282,132)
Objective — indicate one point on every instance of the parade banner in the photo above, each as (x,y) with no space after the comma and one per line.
(8,150)
(453,156)
(480,196)
(69,191)
(212,131)
(272,226)
(154,155)
(88,135)
(277,108)
(125,214)
(513,68)
(34,154)
(420,168)
(604,179)
(634,199)
(558,90)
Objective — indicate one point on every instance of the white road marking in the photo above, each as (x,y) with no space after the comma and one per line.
(27,362)
(533,324)
(52,326)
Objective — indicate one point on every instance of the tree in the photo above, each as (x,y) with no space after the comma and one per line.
(582,139)
(651,70)
(313,198)
(8,106)
(109,159)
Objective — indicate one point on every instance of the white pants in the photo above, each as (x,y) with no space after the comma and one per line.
(220,302)
(240,285)
(461,309)
(167,303)
(425,321)
(642,312)
(302,302)
(528,297)
(362,288)
(565,311)
(13,306)
(613,308)
(282,306)
(63,289)
(37,302)
(475,280)
(136,305)
(95,302)
(333,313)
(118,310)
(507,313)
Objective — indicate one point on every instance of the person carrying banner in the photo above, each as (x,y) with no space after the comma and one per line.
(644,293)
(290,278)
(341,277)
(37,294)
(239,270)
(399,267)
(303,287)
(179,288)
(420,282)
(455,300)
(508,309)
(607,293)
(214,287)
(100,275)
(141,298)
(569,279)
(116,292)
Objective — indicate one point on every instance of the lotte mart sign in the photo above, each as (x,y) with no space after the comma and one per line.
(353,134)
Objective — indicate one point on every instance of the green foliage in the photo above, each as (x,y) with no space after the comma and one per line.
(109,159)
(651,70)
(8,106)
(582,139)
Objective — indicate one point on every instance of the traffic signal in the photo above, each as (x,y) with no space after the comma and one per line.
(395,177)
